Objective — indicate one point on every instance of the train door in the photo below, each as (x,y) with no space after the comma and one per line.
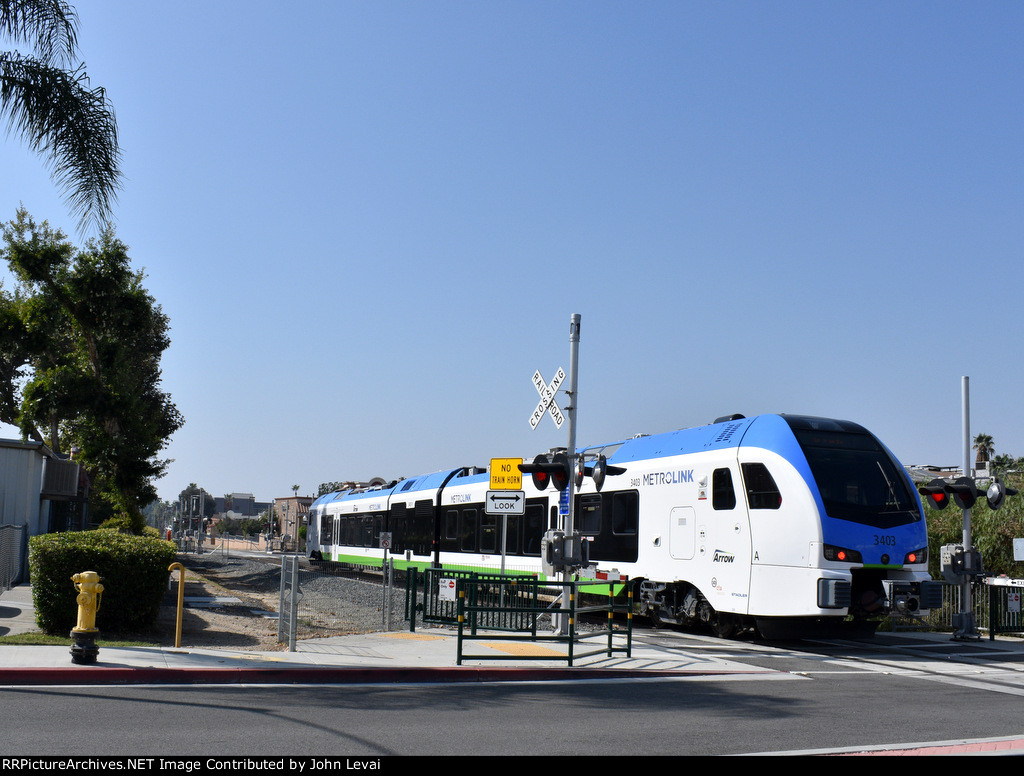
(784,527)
(682,533)
(723,534)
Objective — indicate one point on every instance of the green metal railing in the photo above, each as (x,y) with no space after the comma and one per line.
(477,606)
(505,602)
(996,608)
(1004,609)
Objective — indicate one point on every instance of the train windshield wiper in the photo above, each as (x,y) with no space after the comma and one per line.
(893,500)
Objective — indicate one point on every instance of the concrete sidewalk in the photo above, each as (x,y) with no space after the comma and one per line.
(397,656)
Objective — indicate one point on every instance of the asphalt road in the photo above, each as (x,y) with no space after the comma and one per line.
(819,696)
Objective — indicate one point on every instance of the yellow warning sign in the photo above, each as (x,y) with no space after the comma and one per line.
(505,474)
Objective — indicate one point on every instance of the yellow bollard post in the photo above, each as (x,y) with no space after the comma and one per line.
(181,601)
(83,635)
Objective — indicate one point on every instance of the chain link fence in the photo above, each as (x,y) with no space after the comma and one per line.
(329,599)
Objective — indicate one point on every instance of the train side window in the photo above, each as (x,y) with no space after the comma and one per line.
(514,529)
(723,495)
(590,514)
(351,534)
(451,524)
(468,530)
(397,525)
(326,528)
(625,513)
(762,492)
(533,529)
(488,533)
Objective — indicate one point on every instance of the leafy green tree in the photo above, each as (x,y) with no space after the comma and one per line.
(46,98)
(253,525)
(159,514)
(329,487)
(80,347)
(1004,463)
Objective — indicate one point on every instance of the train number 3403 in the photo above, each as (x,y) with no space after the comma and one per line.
(885,540)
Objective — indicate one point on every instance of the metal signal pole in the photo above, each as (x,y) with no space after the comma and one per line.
(573,392)
(967,628)
(569,526)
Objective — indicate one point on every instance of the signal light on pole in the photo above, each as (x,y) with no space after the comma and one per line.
(538,471)
(936,493)
(556,470)
(561,471)
(964,491)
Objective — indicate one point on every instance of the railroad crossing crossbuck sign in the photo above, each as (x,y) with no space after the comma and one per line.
(547,392)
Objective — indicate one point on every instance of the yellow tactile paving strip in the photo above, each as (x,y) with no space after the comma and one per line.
(532,650)
(412,636)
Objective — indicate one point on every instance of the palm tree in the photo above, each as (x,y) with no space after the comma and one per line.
(983,444)
(47,100)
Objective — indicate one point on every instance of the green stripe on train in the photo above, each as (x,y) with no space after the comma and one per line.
(402,564)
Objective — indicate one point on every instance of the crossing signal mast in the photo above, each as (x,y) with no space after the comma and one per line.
(565,549)
(961,563)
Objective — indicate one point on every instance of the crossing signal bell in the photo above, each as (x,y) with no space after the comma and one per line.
(997,493)
(602,469)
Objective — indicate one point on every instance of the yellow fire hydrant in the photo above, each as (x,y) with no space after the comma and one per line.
(83,635)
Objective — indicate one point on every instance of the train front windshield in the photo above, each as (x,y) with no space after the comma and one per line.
(858,480)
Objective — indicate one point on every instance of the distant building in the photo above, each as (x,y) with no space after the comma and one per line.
(241,505)
(291,513)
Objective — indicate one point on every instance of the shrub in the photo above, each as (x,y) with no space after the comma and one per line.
(134,572)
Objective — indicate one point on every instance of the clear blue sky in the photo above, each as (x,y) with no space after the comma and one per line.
(370,222)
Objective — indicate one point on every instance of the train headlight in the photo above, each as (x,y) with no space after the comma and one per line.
(916,556)
(842,554)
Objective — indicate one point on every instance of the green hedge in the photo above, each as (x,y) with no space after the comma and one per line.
(134,572)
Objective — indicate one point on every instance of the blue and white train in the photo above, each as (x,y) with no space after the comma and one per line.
(770,521)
